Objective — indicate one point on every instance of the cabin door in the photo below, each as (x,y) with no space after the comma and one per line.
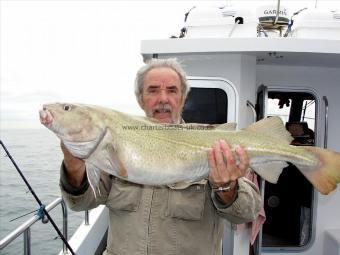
(289,204)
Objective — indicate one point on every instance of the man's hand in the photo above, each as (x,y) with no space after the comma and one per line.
(75,167)
(224,170)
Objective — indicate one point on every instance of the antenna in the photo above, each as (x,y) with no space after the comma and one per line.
(277,12)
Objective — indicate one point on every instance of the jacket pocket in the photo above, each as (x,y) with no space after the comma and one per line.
(187,204)
(124,195)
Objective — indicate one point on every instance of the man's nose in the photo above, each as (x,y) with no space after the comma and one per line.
(163,97)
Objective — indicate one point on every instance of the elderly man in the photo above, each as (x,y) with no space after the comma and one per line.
(162,220)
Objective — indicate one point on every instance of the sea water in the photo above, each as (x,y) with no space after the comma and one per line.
(37,153)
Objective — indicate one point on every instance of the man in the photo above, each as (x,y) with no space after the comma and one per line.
(161,220)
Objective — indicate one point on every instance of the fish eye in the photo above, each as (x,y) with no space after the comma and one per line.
(67,107)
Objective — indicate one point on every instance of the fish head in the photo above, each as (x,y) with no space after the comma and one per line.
(80,127)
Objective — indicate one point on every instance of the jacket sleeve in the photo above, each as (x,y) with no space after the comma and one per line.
(246,206)
(83,198)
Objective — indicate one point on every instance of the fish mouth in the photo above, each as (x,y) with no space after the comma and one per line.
(46,117)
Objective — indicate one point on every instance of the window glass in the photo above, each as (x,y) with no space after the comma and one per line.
(206,105)
(276,109)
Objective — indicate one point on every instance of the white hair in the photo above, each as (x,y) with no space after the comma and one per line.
(153,63)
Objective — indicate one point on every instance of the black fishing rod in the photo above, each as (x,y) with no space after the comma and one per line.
(42,207)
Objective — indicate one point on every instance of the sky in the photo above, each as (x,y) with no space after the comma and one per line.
(80,51)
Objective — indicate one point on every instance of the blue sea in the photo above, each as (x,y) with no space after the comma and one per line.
(37,153)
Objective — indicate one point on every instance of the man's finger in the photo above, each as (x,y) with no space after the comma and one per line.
(231,162)
(212,164)
(243,156)
(220,162)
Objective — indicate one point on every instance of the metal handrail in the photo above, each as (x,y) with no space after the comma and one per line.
(325,139)
(65,225)
(25,228)
(87,218)
(252,107)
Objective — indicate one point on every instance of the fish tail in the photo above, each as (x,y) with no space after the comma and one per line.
(326,175)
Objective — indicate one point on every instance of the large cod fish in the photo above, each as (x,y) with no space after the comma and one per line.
(143,151)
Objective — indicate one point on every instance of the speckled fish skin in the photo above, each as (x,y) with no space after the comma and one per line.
(140,150)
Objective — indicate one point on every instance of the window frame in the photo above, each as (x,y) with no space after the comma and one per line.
(219,83)
(317,126)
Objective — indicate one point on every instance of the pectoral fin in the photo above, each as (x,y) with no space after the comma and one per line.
(116,163)
(93,177)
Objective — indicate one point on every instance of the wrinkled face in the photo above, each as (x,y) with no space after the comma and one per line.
(162,97)
(78,126)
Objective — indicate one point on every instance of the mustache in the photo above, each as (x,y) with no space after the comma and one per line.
(162,107)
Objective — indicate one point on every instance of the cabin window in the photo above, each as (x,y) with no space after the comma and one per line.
(209,101)
(282,109)
(206,105)
(289,204)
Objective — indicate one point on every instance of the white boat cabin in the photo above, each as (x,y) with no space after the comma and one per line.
(244,65)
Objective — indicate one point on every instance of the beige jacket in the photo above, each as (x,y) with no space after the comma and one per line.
(163,221)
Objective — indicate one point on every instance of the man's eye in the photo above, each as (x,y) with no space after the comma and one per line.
(172,91)
(152,91)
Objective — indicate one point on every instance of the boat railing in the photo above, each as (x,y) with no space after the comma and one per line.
(25,228)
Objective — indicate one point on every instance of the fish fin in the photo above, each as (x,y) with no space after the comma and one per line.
(116,163)
(272,126)
(326,175)
(270,171)
(93,177)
